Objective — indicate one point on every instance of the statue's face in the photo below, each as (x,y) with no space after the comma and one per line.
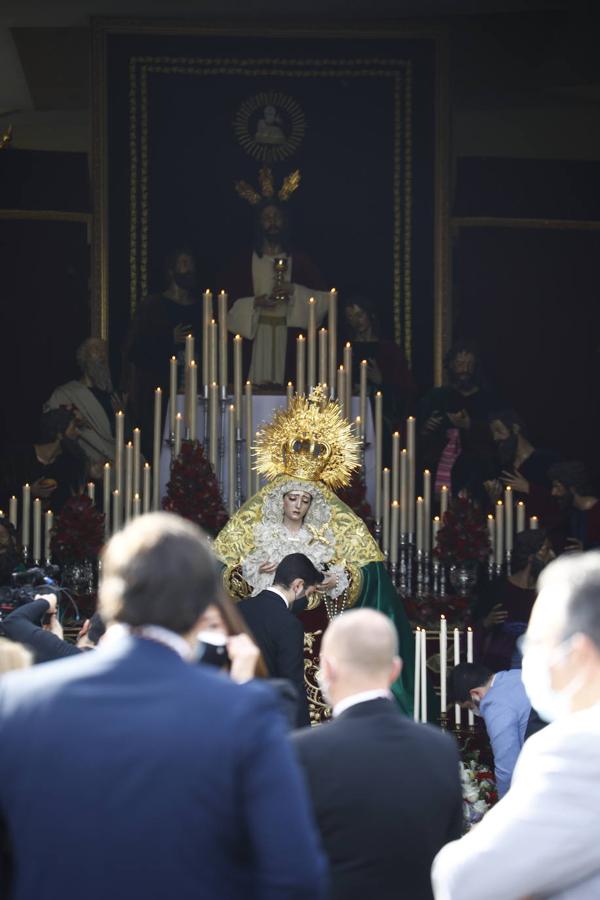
(295,506)
(271,221)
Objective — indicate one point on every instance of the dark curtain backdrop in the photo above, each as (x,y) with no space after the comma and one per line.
(44,315)
(184,159)
(531,300)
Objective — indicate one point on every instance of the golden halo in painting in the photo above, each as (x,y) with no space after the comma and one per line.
(269,126)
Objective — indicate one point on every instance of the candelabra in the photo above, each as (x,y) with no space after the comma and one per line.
(239,446)
(221,439)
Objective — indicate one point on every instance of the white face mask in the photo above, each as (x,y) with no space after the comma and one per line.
(547,702)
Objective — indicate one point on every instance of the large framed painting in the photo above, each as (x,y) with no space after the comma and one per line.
(354,118)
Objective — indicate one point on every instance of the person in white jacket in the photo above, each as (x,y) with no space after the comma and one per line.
(543,839)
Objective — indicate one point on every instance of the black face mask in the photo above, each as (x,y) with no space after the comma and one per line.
(184,280)
(507,450)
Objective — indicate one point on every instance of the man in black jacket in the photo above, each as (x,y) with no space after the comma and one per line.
(385,791)
(278,633)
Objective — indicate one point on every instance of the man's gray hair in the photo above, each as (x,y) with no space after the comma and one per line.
(575,579)
(159,570)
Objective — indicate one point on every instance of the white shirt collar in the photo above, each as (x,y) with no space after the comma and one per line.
(279,593)
(361,697)
(118,630)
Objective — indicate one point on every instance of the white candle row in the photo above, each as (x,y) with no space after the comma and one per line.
(420,678)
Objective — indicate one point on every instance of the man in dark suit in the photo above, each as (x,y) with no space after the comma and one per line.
(385,791)
(275,628)
(181,781)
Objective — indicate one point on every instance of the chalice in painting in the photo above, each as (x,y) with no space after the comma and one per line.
(280,267)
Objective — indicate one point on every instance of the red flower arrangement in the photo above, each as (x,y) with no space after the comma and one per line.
(464,534)
(78,532)
(193,491)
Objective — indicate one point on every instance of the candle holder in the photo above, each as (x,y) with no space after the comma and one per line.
(508,559)
(394,573)
(378,530)
(204,405)
(280,267)
(490,569)
(436,576)
(498,570)
(221,439)
(421,563)
(444,721)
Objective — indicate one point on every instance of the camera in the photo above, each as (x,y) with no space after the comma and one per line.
(26,586)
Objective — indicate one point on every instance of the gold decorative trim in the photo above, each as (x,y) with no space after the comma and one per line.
(46,215)
(550,224)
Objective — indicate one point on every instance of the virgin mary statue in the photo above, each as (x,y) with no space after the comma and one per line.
(307,452)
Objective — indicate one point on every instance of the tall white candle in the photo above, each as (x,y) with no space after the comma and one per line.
(427,510)
(149,496)
(49,523)
(520,516)
(172,393)
(499,546)
(37,530)
(157,443)
(223,362)
(119,442)
(289,393)
(189,356)
(457,710)
(26,519)
(423,675)
(508,517)
(348,378)
(362,402)
(311,335)
(136,506)
(443,663)
(128,480)
(491,523)
(378,452)
(396,466)
(177,440)
(106,497)
(213,423)
(444,493)
(207,314)
(341,390)
(116,511)
(417,700)
(189,349)
(470,660)
(91,491)
(137,460)
(420,534)
(332,334)
(249,432)
(435,527)
(231,459)
(404,517)
(411,446)
(193,409)
(237,380)
(12,512)
(212,351)
(534,523)
(385,482)
(323,369)
(395,512)
(300,364)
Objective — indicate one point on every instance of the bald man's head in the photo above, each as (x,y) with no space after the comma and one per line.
(359,652)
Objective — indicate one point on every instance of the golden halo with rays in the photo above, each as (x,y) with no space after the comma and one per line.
(292,126)
(310,440)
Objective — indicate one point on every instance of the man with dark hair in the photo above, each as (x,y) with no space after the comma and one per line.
(94,400)
(136,740)
(158,332)
(500,699)
(385,790)
(278,633)
(542,840)
(503,607)
(572,488)
(272,318)
(55,466)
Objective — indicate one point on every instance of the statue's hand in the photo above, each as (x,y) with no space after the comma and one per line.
(266,568)
(263,301)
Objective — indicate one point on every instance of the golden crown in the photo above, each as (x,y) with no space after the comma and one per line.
(310,440)
(290,184)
